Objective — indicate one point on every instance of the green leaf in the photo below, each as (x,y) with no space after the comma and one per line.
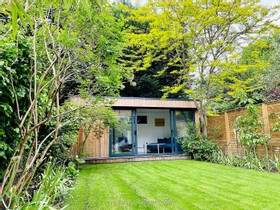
(3,154)
(14,20)
(22,14)
(6,108)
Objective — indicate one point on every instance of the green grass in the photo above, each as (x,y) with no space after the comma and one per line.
(173,185)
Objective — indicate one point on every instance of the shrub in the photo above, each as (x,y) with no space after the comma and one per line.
(15,57)
(47,192)
(198,146)
(71,170)
(249,161)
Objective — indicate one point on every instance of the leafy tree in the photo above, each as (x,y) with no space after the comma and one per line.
(93,118)
(149,84)
(71,42)
(205,37)
(271,75)
(239,86)
(261,80)
(151,81)
(14,65)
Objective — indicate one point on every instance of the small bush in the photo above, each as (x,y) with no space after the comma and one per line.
(48,192)
(249,161)
(71,170)
(198,146)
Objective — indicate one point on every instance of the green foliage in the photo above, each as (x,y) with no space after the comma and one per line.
(246,80)
(199,146)
(250,128)
(261,79)
(74,46)
(15,57)
(49,191)
(150,81)
(93,114)
(71,170)
(150,84)
(250,161)
(270,76)
(100,73)
(276,127)
(200,42)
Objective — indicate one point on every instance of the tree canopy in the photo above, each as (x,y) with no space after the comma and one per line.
(200,40)
(51,50)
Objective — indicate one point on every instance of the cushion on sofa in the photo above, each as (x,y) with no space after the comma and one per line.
(165,140)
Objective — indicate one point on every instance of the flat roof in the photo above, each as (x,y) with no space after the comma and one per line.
(153,103)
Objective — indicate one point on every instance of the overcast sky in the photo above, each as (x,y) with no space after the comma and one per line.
(270,2)
(265,2)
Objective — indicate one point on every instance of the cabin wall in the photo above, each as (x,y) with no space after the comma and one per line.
(220,129)
(92,145)
(152,103)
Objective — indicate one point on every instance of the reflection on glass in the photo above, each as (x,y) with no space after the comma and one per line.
(122,138)
(182,119)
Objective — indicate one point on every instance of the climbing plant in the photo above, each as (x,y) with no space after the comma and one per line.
(250,129)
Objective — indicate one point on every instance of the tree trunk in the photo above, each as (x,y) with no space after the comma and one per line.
(202,117)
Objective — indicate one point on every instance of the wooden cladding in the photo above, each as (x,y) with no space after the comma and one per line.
(153,103)
(92,146)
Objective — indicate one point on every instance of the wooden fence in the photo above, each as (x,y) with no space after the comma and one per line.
(221,129)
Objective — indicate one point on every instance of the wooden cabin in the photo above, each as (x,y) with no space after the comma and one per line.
(146,127)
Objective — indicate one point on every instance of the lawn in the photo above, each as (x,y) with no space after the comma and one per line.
(183,184)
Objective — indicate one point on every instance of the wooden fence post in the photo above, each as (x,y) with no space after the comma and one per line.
(80,146)
(197,123)
(266,119)
(227,131)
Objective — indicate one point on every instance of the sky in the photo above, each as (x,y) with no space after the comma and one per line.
(264,2)
(270,2)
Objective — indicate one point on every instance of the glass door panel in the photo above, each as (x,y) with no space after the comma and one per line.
(179,128)
(182,119)
(122,139)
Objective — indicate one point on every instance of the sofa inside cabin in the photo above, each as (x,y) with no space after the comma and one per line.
(164,145)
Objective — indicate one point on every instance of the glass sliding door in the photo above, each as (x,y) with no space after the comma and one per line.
(156,129)
(179,121)
(123,135)
(153,131)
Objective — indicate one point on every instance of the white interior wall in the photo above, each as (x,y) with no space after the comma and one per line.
(149,132)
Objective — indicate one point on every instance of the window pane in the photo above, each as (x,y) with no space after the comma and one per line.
(122,140)
(182,119)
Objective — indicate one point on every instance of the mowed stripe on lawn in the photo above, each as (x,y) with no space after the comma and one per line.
(182,184)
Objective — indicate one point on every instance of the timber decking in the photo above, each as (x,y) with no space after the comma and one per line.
(135,159)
